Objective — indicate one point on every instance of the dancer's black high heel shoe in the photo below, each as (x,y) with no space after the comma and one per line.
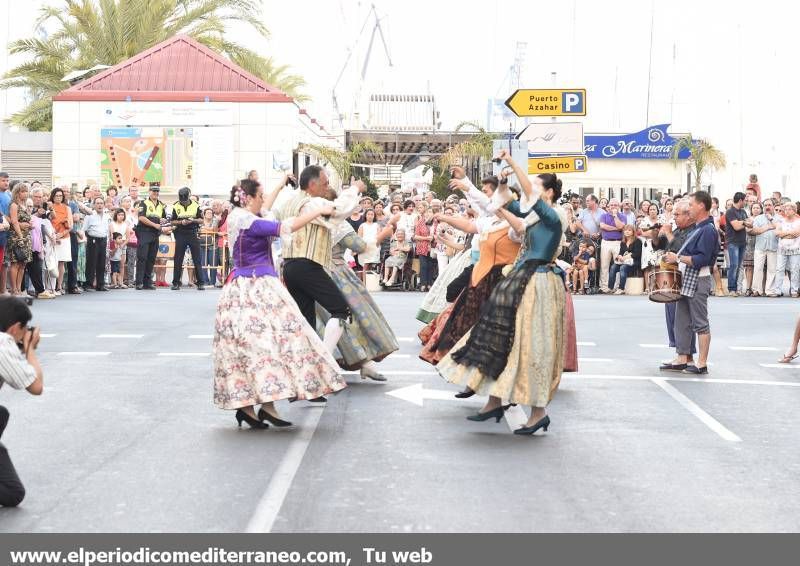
(254,423)
(542,423)
(265,416)
(496,414)
(466,394)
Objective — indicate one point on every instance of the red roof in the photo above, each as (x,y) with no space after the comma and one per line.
(176,70)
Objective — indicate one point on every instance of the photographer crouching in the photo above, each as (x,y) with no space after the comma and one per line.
(20,369)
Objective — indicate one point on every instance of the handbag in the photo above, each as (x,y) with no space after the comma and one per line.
(18,253)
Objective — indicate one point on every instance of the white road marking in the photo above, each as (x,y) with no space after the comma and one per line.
(271,502)
(780,366)
(43,335)
(201,336)
(586,344)
(120,335)
(590,360)
(695,409)
(398,373)
(184,354)
(586,376)
(405,339)
(81,354)
(654,346)
(684,379)
(397,356)
(753,348)
(416,394)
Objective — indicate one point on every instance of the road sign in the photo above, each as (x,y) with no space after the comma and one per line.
(561,164)
(548,102)
(554,137)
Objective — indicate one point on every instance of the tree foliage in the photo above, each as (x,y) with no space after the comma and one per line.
(80,34)
(343,161)
(703,156)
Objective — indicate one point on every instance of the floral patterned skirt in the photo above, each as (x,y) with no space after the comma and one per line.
(264,350)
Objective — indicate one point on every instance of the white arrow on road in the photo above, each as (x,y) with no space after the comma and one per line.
(415,394)
(515,417)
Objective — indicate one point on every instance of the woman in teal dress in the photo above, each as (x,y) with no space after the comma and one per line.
(516,350)
(367,338)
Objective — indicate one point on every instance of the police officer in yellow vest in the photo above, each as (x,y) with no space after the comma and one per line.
(149,228)
(186,218)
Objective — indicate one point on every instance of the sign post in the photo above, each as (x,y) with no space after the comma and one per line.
(548,102)
(558,164)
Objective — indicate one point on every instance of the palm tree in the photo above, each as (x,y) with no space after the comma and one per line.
(85,33)
(343,161)
(478,147)
(702,155)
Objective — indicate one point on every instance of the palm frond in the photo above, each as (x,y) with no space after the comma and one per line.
(84,33)
(36,116)
(702,156)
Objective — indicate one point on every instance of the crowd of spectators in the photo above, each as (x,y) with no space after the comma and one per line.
(50,241)
(608,242)
(69,241)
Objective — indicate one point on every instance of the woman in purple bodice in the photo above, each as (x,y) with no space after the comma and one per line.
(264,350)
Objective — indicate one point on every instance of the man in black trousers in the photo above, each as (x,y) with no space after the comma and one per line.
(151,211)
(186,218)
(96,227)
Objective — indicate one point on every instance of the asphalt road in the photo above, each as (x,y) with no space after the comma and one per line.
(126,438)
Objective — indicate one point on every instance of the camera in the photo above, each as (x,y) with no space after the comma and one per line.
(497,161)
(291,182)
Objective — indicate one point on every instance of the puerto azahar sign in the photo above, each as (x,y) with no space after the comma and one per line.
(651,143)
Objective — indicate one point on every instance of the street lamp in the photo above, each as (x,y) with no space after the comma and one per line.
(424,154)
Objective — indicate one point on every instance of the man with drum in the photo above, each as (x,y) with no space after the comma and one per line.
(695,259)
(671,240)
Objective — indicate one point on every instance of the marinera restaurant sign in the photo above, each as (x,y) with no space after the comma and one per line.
(651,143)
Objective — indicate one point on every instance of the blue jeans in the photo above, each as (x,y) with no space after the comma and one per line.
(735,258)
(426,264)
(210,261)
(623,270)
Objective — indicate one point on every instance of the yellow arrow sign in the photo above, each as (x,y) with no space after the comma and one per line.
(562,164)
(548,102)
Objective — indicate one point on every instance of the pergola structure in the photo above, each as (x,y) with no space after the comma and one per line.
(406,150)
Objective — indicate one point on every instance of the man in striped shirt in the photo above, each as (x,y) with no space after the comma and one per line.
(20,369)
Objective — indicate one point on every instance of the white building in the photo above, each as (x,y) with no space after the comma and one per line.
(178,114)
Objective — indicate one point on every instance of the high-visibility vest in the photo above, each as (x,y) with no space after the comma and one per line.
(185,212)
(154,213)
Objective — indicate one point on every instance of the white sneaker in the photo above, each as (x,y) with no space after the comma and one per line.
(46,295)
(619,292)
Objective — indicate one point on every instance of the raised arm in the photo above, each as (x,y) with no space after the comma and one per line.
(517,223)
(462,224)
(269,200)
(308,215)
(522,175)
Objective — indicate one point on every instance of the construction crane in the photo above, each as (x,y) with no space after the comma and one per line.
(338,117)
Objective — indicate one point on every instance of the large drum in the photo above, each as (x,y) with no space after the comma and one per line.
(665,285)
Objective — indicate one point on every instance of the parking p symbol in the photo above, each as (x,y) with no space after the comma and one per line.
(580,165)
(572,102)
